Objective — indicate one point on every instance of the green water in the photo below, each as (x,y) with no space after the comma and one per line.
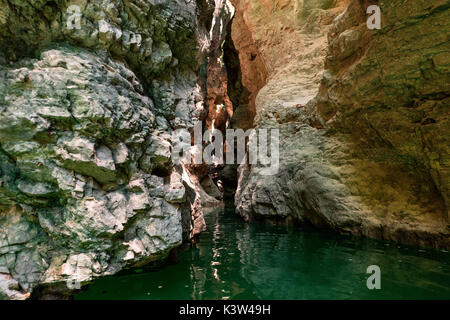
(234,260)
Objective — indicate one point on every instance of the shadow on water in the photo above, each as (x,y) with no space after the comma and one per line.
(235,260)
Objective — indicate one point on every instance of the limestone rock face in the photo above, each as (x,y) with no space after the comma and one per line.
(393,91)
(149,35)
(87,183)
(74,203)
(362,114)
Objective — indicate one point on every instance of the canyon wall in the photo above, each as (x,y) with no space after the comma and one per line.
(362,114)
(90,92)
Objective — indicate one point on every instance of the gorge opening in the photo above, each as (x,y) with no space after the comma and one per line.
(94,205)
(278,255)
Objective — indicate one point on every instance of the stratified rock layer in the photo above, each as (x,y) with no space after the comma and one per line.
(362,114)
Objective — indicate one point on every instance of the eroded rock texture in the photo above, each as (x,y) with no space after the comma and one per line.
(87,183)
(362,114)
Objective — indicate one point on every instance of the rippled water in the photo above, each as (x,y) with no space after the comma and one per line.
(234,260)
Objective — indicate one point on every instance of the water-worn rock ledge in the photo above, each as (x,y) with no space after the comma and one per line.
(363,117)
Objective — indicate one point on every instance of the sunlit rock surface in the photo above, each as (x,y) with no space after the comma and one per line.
(362,114)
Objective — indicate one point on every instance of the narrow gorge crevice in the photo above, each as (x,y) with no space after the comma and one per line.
(282,60)
(244,74)
(91,101)
(230,93)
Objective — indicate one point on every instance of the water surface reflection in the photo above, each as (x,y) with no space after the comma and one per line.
(234,260)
